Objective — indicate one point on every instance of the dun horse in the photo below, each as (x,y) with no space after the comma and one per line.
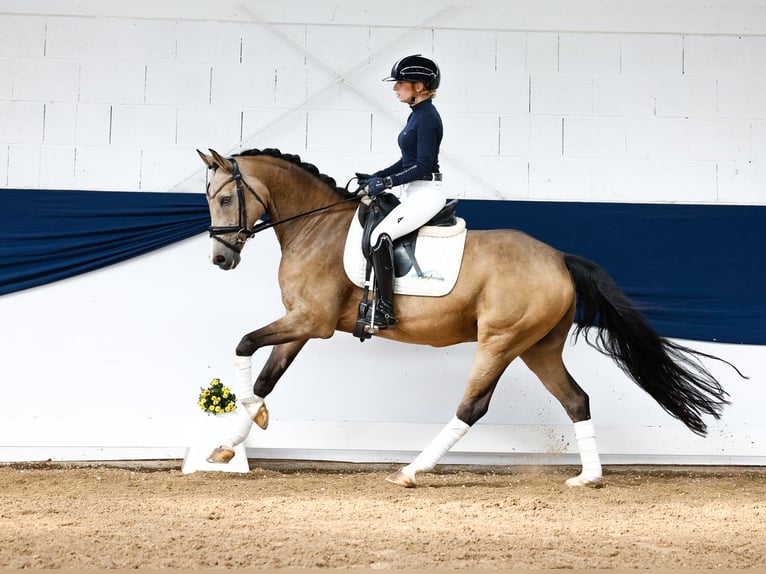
(311,217)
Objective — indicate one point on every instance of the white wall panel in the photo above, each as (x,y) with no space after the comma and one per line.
(511,52)
(561,94)
(7,74)
(717,56)
(94,124)
(589,54)
(336,131)
(594,137)
(758,139)
(4,165)
(108,168)
(546,136)
(559,179)
(24,166)
(719,139)
(651,55)
(262,44)
(260,129)
(657,138)
(515,135)
(177,83)
(682,96)
(57,167)
(143,125)
(22,36)
(466,50)
(109,39)
(160,167)
(542,53)
(213,42)
(241,85)
(623,96)
(472,134)
(290,86)
(743,97)
(60,123)
(112,82)
(741,182)
(341,48)
(46,80)
(22,122)
(201,126)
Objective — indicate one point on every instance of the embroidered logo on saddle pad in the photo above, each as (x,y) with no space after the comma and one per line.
(439,252)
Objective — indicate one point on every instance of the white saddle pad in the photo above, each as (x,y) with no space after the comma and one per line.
(439,252)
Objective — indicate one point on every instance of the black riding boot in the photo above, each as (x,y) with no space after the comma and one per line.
(383,264)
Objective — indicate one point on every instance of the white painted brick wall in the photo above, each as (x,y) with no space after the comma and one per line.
(57,166)
(621,111)
(112,82)
(22,122)
(24,166)
(22,36)
(157,125)
(651,55)
(3,166)
(40,80)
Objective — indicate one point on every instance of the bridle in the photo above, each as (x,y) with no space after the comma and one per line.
(242,230)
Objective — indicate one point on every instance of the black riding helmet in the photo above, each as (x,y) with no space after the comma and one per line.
(416,68)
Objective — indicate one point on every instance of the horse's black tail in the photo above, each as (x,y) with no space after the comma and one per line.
(672,374)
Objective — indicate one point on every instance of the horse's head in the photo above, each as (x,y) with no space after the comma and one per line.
(233,212)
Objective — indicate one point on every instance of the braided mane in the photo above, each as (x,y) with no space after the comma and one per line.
(296,160)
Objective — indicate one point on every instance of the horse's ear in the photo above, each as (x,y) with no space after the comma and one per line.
(222,162)
(208,160)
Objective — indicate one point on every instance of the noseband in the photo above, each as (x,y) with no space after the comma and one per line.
(243,232)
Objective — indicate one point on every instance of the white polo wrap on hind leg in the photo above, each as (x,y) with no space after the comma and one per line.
(589,457)
(248,400)
(437,448)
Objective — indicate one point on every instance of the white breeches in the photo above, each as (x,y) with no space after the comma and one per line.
(420,201)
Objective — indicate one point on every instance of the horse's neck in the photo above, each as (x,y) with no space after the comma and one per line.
(293,193)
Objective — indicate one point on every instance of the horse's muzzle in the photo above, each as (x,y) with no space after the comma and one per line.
(224,259)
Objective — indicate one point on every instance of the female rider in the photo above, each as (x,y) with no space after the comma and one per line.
(415,178)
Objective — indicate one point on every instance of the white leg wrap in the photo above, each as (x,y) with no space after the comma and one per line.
(248,400)
(591,462)
(437,448)
(243,379)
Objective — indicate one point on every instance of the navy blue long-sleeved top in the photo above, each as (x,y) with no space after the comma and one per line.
(419,142)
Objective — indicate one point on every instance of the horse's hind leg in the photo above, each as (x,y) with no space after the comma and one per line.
(485,373)
(544,359)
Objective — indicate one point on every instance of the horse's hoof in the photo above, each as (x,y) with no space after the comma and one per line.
(580,480)
(261,418)
(221,455)
(401,479)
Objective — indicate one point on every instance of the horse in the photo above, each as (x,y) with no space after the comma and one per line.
(261,189)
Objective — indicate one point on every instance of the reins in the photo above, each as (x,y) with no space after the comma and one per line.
(243,232)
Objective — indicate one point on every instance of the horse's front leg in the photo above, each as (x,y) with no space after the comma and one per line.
(251,397)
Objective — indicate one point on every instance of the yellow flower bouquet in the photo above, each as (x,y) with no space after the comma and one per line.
(217,399)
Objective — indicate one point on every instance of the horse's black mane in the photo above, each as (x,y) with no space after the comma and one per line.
(296,159)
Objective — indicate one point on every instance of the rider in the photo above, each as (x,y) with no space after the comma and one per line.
(415,178)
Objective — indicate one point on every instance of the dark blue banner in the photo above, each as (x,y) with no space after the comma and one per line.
(50,235)
(696,271)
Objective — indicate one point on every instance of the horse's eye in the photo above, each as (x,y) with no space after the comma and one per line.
(226,200)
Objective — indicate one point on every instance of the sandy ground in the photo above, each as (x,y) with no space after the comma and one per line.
(324,516)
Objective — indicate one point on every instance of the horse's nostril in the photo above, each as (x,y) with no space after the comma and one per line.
(219,259)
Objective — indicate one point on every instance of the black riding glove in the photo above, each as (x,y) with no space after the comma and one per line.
(377,185)
(362,178)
